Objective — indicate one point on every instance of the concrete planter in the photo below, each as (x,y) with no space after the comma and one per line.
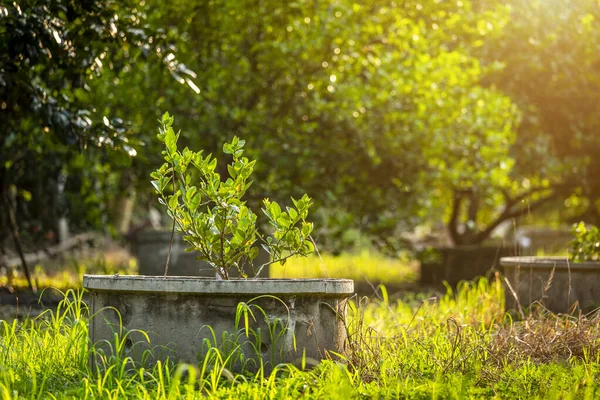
(176,313)
(455,264)
(150,248)
(571,283)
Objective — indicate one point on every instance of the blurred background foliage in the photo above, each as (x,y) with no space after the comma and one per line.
(390,114)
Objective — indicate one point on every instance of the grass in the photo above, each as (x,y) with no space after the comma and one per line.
(363,265)
(68,274)
(459,346)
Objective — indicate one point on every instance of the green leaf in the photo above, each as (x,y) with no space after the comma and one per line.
(174,200)
(191,192)
(171,141)
(212,165)
(232,171)
(167,120)
(307,228)
(292,213)
(308,247)
(267,248)
(284,220)
(274,210)
(253,253)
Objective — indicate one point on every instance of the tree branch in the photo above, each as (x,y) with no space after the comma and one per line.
(14,229)
(508,214)
(453,223)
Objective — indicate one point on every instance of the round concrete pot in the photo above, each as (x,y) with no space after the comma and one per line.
(463,263)
(556,282)
(182,315)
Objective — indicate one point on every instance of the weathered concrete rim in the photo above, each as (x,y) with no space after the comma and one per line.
(198,285)
(557,263)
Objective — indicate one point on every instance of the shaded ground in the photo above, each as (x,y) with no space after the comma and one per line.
(52,276)
(61,274)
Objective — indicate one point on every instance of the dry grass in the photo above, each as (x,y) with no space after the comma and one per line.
(465,333)
(545,337)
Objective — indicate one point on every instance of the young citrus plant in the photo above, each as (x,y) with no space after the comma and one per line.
(212,216)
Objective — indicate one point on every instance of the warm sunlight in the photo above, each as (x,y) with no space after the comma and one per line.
(268,199)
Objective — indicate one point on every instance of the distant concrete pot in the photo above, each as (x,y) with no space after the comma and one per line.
(571,283)
(176,313)
(151,247)
(455,264)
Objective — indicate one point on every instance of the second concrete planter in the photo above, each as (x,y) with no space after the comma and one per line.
(455,264)
(290,319)
(556,282)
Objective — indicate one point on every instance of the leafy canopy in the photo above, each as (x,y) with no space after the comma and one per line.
(53,54)
(376,108)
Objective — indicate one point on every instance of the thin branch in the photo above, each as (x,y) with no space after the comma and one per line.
(15,234)
(508,214)
(223,268)
(172,229)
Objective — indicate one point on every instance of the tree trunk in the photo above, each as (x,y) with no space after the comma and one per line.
(472,235)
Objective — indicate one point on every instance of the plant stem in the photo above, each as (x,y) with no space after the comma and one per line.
(172,229)
(170,247)
(223,270)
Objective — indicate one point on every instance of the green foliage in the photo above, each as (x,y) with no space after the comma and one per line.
(550,69)
(376,109)
(52,53)
(384,111)
(586,245)
(211,215)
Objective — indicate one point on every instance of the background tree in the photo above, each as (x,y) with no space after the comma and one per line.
(375,109)
(59,151)
(390,115)
(551,69)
